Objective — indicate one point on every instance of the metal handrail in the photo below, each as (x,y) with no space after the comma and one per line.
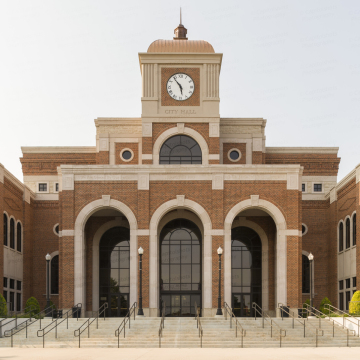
(320,315)
(229,311)
(70,311)
(198,324)
(162,323)
(123,323)
(281,307)
(26,312)
(264,316)
(28,323)
(87,323)
(334,310)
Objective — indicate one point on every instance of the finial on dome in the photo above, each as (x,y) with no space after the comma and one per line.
(180,32)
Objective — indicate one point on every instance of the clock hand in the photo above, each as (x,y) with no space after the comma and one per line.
(181,88)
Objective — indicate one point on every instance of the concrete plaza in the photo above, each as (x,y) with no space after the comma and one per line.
(179,354)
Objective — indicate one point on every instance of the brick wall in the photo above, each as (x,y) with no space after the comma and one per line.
(46,164)
(121,146)
(240,146)
(314,164)
(102,158)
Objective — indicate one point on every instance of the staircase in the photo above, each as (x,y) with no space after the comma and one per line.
(182,333)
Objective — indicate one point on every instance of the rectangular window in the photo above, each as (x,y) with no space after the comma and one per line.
(18,285)
(12,301)
(303,187)
(56,187)
(354,282)
(5,295)
(42,187)
(341,301)
(341,284)
(347,299)
(347,283)
(317,187)
(12,284)
(5,283)
(18,301)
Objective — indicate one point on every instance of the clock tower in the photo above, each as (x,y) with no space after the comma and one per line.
(180,83)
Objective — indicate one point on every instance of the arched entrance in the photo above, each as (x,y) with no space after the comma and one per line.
(246,261)
(114,270)
(180,267)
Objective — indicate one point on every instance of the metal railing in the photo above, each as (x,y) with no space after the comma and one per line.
(317,331)
(333,310)
(228,310)
(123,323)
(311,311)
(162,323)
(87,323)
(25,324)
(198,323)
(52,326)
(26,312)
(266,317)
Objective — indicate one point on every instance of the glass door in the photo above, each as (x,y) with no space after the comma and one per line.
(119,305)
(242,305)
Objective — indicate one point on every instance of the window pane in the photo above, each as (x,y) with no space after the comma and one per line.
(175,273)
(12,233)
(55,275)
(186,254)
(18,242)
(5,219)
(18,301)
(186,273)
(180,149)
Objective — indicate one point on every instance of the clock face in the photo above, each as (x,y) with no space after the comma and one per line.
(180,86)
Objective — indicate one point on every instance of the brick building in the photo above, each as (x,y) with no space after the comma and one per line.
(180,182)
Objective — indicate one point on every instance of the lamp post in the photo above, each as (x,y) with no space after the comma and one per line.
(47,258)
(219,311)
(311,258)
(140,311)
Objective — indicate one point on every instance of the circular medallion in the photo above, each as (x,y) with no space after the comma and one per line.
(180,86)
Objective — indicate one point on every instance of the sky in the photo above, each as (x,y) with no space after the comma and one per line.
(65,63)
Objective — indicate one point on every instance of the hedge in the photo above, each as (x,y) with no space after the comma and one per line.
(354,308)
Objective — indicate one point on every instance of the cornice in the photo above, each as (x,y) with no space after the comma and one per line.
(118,121)
(57,149)
(302,150)
(242,121)
(180,169)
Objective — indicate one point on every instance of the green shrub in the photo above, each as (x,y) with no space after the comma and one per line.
(3,307)
(354,308)
(35,306)
(322,308)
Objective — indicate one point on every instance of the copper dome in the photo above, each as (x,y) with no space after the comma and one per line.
(180,46)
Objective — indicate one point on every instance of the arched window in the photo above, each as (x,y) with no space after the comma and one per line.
(354,230)
(18,237)
(305,274)
(5,230)
(180,149)
(341,237)
(12,233)
(347,233)
(55,275)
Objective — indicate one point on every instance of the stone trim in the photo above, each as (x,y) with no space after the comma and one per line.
(302,150)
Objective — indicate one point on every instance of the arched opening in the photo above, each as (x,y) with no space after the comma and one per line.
(114,270)
(246,267)
(180,149)
(5,230)
(180,267)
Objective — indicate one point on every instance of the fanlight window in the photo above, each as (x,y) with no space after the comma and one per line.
(180,149)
